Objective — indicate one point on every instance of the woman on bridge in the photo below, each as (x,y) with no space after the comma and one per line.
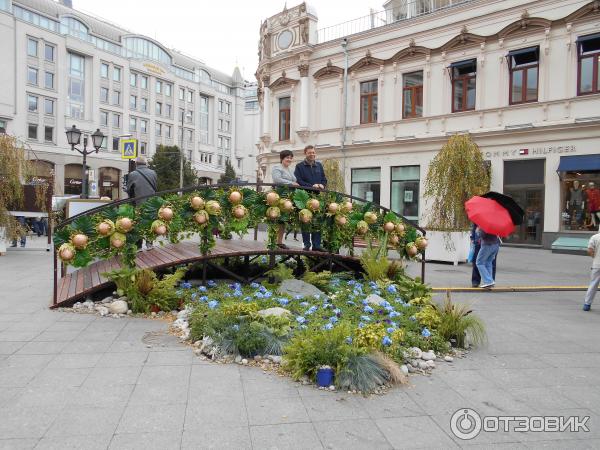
(283,174)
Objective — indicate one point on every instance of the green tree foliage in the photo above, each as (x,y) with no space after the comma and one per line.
(335,177)
(165,163)
(456,174)
(229,174)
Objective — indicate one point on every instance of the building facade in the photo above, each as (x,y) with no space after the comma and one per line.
(62,68)
(381,94)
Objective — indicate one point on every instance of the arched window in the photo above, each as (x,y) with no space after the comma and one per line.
(144,49)
(72,26)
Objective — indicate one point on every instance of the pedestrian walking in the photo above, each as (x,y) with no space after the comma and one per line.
(310,173)
(141,182)
(282,173)
(476,243)
(489,246)
(594,251)
(23,229)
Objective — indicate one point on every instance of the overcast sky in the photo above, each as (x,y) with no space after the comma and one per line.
(220,33)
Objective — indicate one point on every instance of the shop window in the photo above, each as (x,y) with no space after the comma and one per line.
(588,54)
(412,95)
(109,182)
(580,194)
(72,179)
(405,191)
(464,78)
(368,101)
(523,65)
(366,184)
(284,118)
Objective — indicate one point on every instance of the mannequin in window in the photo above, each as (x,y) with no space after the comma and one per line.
(592,195)
(575,204)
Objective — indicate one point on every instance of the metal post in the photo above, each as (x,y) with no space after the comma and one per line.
(181,154)
(83,170)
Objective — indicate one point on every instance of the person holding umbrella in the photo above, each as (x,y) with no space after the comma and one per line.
(476,241)
(489,247)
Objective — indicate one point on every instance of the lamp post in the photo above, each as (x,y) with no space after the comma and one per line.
(73,138)
(184,115)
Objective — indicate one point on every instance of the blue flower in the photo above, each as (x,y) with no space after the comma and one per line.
(389,308)
(311,310)
(384,304)
(202,289)
(328,326)
(247,299)
(237,293)
(365,318)
(226,295)
(372,284)
(365,302)
(204,298)
(350,302)
(368,309)
(394,314)
(337,311)
(186,285)
(179,292)
(254,285)
(349,340)
(351,282)
(263,260)
(412,318)
(283,301)
(317,296)
(361,324)
(213,304)
(356,293)
(386,341)
(392,289)
(300,319)
(258,295)
(333,319)
(425,333)
(211,283)
(298,297)
(194,295)
(262,289)
(304,304)
(267,294)
(236,327)
(390,330)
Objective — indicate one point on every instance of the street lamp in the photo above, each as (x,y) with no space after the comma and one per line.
(73,138)
(184,115)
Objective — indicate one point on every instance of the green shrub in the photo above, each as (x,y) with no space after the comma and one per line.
(320,280)
(281,272)
(457,322)
(375,264)
(362,373)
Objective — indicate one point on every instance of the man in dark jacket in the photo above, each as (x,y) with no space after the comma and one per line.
(310,173)
(142,181)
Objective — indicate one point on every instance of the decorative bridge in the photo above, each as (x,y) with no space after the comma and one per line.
(106,238)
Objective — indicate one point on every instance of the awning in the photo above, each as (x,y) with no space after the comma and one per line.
(579,163)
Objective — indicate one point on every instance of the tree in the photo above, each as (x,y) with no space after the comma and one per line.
(166,163)
(335,177)
(456,174)
(229,174)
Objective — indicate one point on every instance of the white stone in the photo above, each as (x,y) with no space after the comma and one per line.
(129,312)
(118,307)
(423,365)
(404,369)
(107,300)
(295,287)
(374,299)
(332,388)
(412,369)
(277,312)
(428,356)
(276,359)
(102,310)
(415,352)
(238,359)
(430,364)
(448,358)
(244,361)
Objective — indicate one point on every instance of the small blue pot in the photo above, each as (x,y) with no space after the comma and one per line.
(324,377)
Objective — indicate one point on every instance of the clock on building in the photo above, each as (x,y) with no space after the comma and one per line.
(284,40)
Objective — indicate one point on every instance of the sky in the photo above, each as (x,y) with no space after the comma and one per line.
(222,34)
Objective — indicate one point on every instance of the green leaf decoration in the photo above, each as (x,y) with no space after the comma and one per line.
(61,236)
(83,224)
(126,210)
(300,198)
(391,217)
(82,258)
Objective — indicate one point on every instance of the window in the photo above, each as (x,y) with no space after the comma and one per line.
(366,184)
(168,131)
(48,134)
(220,125)
(220,142)
(115,145)
(251,105)
(168,109)
(190,96)
(523,65)
(284,119)
(104,118)
(76,90)
(143,126)
(117,74)
(32,48)
(181,94)
(227,143)
(405,191)
(239,163)
(116,120)
(158,129)
(368,101)
(32,103)
(168,88)
(143,148)
(464,76)
(412,95)
(144,104)
(49,80)
(144,82)
(189,117)
(158,86)
(133,79)
(158,108)
(32,76)
(588,53)
(49,52)
(190,134)
(203,133)
(220,160)
(132,102)
(49,106)
(132,124)
(103,145)
(32,130)
(226,125)
(104,95)
(104,70)
(116,98)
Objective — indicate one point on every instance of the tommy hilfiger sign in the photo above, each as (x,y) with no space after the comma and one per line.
(533,151)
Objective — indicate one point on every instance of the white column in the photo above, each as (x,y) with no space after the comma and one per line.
(304,102)
(266,111)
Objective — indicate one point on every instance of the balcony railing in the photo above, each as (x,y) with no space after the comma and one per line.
(400,11)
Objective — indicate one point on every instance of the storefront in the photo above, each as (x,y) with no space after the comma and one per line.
(366,183)
(579,193)
(73,181)
(43,171)
(405,191)
(109,182)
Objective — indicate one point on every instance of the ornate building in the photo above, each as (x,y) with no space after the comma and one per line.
(382,94)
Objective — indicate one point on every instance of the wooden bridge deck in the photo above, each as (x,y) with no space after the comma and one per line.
(87,280)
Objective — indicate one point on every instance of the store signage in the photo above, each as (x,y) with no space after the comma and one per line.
(73,181)
(532,151)
(154,68)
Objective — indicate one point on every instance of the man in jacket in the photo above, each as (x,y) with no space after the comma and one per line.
(310,173)
(142,181)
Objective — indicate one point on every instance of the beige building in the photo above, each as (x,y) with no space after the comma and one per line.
(382,94)
(61,67)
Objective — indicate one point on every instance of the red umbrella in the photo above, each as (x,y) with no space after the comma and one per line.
(490,216)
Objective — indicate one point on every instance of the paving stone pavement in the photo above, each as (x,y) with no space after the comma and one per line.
(81,381)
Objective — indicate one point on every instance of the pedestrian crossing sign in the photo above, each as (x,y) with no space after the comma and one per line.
(129,149)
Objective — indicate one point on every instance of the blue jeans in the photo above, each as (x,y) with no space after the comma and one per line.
(315,237)
(485,260)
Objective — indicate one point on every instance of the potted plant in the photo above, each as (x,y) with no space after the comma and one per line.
(455,174)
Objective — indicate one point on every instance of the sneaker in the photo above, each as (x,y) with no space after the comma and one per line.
(306,249)
(486,285)
(587,307)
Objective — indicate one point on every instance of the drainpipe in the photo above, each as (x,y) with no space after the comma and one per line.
(345,112)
